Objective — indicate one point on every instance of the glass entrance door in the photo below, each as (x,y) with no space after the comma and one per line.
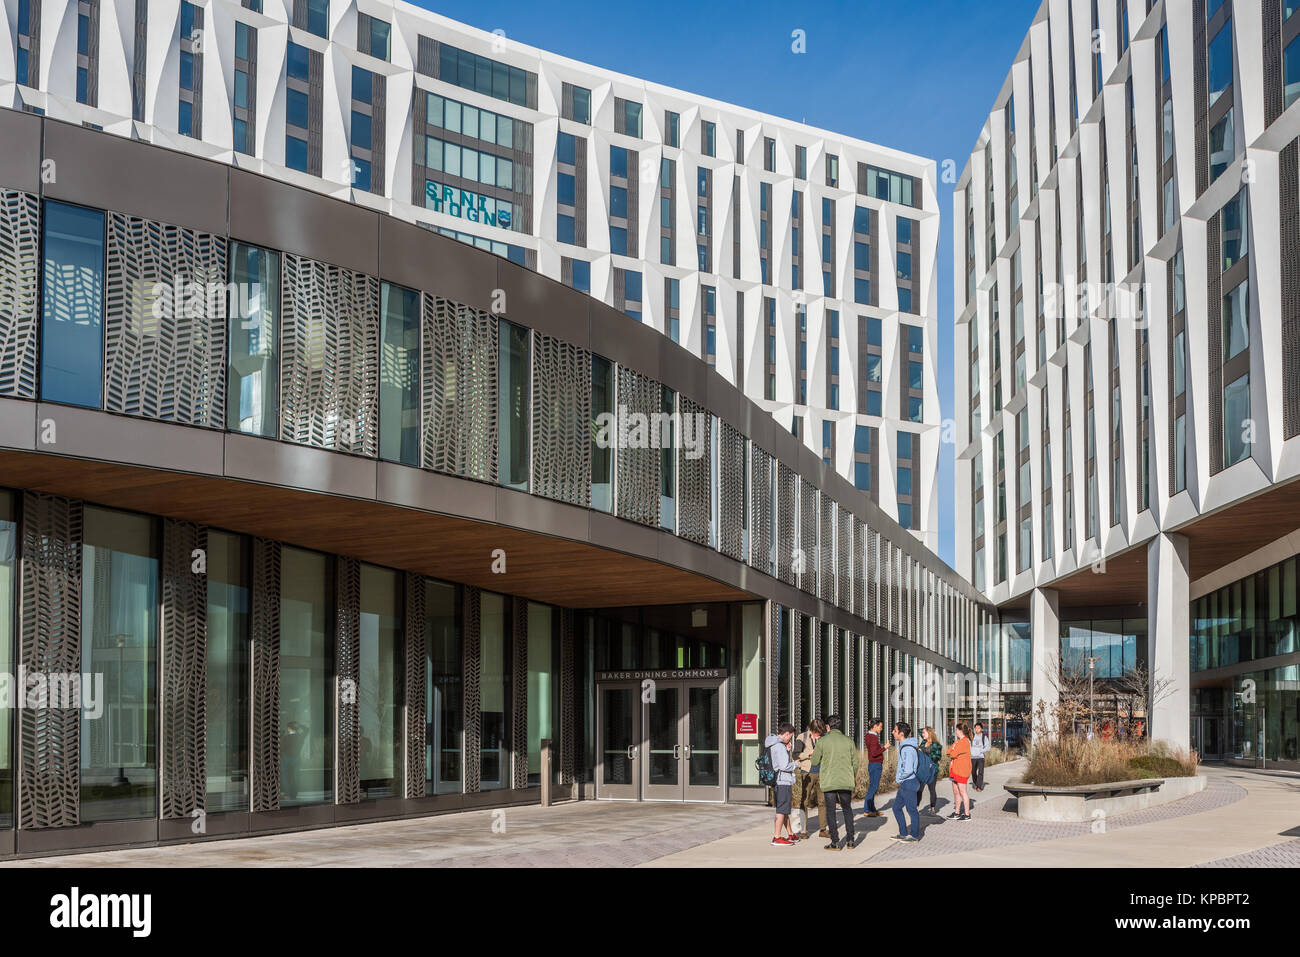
(662,760)
(664,746)
(618,742)
(702,729)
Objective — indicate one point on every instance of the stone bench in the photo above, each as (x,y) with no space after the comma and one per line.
(1089,802)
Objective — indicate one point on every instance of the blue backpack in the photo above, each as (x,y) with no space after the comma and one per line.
(925,769)
(766,770)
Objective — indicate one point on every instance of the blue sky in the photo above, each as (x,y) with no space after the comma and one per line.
(916,75)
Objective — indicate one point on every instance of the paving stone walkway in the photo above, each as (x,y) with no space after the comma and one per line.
(1277,855)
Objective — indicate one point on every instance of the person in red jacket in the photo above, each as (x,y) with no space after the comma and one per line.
(959,773)
(875,764)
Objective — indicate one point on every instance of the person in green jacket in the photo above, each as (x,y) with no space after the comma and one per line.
(838,759)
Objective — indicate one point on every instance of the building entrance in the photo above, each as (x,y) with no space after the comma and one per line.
(659,736)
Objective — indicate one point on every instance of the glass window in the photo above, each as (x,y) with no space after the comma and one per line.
(1236,420)
(602,455)
(360,130)
(566,149)
(295,153)
(513,366)
(873,402)
(618,161)
(543,690)
(227,673)
(306,680)
(72,346)
(363,87)
(252,403)
(915,409)
(905,481)
(1234,233)
(1219,57)
(673,121)
(618,202)
(297,62)
(187,67)
(1236,321)
(494,693)
(379,694)
(1291,71)
(379,31)
(873,332)
(1223,146)
(582,275)
(668,461)
(119,640)
(1180,364)
(442,687)
(296,108)
(581,104)
(318,12)
(399,375)
(8,580)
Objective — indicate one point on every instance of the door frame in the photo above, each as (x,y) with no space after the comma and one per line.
(681,683)
(619,792)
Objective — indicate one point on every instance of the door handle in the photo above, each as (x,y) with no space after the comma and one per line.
(677,752)
(687,748)
(632,751)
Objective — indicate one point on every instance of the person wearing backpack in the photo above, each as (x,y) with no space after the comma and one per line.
(959,772)
(909,786)
(933,747)
(979,747)
(838,760)
(807,786)
(777,769)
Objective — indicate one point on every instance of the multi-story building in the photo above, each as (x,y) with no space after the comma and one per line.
(797,262)
(1128,320)
(327,517)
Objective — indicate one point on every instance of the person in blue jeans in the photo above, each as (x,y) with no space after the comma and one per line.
(875,765)
(908,785)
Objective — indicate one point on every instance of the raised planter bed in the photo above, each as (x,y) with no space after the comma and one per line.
(1089,802)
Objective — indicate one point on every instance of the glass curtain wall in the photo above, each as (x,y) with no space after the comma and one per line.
(306,679)
(399,375)
(8,572)
(543,690)
(602,456)
(253,381)
(443,685)
(72,302)
(227,672)
(494,693)
(119,640)
(513,400)
(380,693)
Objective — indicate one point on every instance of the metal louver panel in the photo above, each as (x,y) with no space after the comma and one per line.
(183,742)
(264,624)
(562,427)
(460,390)
(164,322)
(817,695)
(760,508)
(731,496)
(20,243)
(329,368)
(470,657)
(772,648)
(347,668)
(844,558)
(859,567)
(50,738)
(826,553)
(638,463)
(695,492)
(416,705)
(1289,174)
(787,490)
(809,516)
(519,693)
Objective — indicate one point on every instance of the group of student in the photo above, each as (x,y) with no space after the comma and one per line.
(819,769)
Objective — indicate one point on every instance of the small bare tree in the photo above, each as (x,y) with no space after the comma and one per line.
(1141,690)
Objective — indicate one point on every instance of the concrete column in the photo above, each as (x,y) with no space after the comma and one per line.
(1168,638)
(1045,655)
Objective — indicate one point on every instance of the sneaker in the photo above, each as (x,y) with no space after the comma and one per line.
(852,843)
(898,837)
(781,842)
(964,817)
(832,846)
(875,814)
(931,810)
(823,833)
(792,839)
(909,839)
(953,816)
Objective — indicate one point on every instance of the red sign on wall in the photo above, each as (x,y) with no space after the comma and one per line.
(746,727)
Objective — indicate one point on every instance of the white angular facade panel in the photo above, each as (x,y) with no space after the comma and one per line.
(138,78)
(1141,221)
